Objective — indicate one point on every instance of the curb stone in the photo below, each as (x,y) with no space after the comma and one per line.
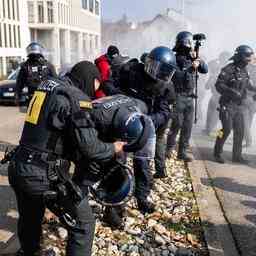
(217,232)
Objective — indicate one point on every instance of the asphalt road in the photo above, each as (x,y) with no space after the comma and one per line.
(10,128)
(235,185)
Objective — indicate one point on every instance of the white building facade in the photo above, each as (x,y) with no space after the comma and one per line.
(70,30)
(14,33)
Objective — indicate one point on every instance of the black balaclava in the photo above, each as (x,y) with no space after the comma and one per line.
(83,75)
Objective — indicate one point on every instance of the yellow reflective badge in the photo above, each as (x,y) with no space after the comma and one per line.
(35,106)
(220,134)
(85,104)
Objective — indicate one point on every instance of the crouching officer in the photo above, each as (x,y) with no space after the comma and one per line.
(151,83)
(57,126)
(123,118)
(233,84)
(33,71)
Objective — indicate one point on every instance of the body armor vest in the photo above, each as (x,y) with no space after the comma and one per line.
(38,132)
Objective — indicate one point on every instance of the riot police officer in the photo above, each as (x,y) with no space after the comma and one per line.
(233,84)
(212,113)
(33,71)
(58,126)
(151,83)
(184,84)
(121,117)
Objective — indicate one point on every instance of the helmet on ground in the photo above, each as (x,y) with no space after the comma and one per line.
(160,64)
(243,53)
(184,40)
(116,187)
(35,48)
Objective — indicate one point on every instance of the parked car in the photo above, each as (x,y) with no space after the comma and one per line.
(8,88)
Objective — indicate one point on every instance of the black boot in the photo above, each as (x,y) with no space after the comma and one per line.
(145,206)
(113,217)
(160,174)
(219,159)
(184,157)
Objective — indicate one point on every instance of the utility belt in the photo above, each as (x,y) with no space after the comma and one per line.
(186,94)
(30,156)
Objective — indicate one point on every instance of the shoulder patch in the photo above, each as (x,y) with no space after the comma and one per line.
(85,104)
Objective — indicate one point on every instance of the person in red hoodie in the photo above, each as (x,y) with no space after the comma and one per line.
(103,63)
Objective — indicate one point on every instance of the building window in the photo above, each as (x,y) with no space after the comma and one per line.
(3,2)
(18,9)
(14,37)
(10,35)
(97,42)
(85,4)
(91,2)
(97,7)
(19,43)
(13,9)
(31,14)
(50,11)
(1,68)
(8,9)
(5,35)
(1,43)
(40,6)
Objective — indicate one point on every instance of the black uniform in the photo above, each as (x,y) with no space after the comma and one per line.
(233,84)
(32,73)
(57,126)
(184,84)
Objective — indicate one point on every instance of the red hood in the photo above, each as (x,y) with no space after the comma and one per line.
(101,58)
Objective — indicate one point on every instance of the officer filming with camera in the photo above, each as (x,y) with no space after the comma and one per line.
(185,83)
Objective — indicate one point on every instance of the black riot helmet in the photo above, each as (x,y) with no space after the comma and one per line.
(160,64)
(184,41)
(243,54)
(116,187)
(35,49)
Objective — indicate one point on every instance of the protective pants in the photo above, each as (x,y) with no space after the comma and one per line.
(29,183)
(183,122)
(232,117)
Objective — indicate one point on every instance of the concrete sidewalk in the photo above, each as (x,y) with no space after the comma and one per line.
(226,198)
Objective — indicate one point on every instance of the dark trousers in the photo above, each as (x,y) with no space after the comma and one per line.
(231,117)
(212,114)
(143,178)
(161,144)
(183,122)
(29,184)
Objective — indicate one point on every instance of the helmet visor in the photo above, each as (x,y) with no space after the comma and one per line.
(159,71)
(34,49)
